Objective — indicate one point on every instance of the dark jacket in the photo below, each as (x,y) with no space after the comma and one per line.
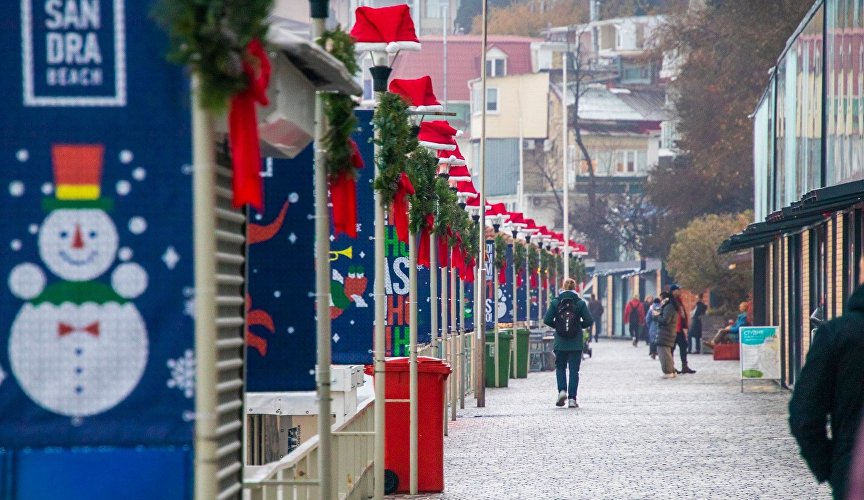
(576,343)
(831,383)
(595,308)
(696,322)
(667,322)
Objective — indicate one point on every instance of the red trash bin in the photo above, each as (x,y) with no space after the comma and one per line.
(432,376)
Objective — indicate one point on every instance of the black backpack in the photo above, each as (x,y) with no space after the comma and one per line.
(568,321)
(635,317)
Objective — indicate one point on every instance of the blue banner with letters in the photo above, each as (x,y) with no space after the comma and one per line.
(96,314)
(521,290)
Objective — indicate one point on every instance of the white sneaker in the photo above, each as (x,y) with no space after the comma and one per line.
(562,396)
(571,403)
(668,375)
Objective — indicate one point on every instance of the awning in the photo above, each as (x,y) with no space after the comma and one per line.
(324,72)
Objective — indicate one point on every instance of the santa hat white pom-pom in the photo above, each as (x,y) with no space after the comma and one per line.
(26,281)
(460,133)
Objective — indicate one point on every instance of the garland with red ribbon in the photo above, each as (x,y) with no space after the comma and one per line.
(399,207)
(243,128)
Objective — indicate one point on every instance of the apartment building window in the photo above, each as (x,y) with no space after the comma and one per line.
(491,100)
(496,66)
(630,162)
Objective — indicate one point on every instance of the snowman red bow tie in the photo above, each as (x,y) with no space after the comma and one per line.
(65,329)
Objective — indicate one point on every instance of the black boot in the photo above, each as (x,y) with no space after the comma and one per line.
(687,369)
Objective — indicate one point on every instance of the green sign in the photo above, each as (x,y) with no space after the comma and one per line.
(760,352)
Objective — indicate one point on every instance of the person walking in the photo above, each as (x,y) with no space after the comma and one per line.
(680,329)
(634,317)
(596,310)
(651,321)
(568,314)
(694,335)
(830,385)
(666,317)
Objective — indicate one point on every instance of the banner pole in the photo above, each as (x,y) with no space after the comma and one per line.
(412,352)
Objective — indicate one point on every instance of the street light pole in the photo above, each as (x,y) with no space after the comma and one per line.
(480,303)
(564,148)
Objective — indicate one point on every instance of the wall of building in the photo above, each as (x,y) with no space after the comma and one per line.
(522,106)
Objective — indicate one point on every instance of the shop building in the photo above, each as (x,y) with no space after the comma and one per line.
(807,235)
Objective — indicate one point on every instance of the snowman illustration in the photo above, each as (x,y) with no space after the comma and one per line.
(78,346)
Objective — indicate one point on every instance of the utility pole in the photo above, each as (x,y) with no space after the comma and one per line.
(564,148)
(480,303)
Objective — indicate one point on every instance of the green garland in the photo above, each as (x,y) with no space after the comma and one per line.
(500,252)
(448,207)
(544,260)
(519,253)
(559,264)
(421,166)
(210,37)
(533,259)
(339,108)
(471,239)
(394,140)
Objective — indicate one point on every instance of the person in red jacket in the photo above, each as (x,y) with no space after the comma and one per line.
(634,317)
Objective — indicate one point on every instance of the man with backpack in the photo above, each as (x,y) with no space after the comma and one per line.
(568,314)
(634,317)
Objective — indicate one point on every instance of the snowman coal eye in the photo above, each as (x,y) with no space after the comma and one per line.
(64,234)
(92,234)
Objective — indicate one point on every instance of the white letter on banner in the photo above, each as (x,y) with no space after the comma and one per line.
(54,46)
(52,10)
(399,267)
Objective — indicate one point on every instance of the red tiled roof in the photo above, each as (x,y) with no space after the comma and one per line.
(463,65)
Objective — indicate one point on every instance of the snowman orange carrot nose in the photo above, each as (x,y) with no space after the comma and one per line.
(78,241)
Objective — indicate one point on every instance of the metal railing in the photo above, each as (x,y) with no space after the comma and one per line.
(296,476)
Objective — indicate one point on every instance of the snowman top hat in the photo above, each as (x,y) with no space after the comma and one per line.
(438,134)
(418,93)
(77,177)
(389,29)
(451,157)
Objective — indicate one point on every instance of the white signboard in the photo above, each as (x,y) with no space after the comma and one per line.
(760,352)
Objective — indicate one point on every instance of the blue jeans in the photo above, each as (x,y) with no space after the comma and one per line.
(562,359)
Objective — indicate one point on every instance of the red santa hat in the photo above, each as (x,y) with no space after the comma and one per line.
(438,134)
(387,29)
(460,174)
(418,93)
(451,157)
(467,189)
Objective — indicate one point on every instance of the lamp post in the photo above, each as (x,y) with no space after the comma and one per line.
(480,303)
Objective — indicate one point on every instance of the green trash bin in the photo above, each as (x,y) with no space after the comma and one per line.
(520,370)
(504,338)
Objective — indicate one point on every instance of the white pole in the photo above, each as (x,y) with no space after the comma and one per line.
(445,339)
(433,295)
(565,169)
(464,365)
(444,29)
(480,303)
(454,354)
(412,352)
(379,341)
(206,378)
(515,311)
(495,355)
(322,297)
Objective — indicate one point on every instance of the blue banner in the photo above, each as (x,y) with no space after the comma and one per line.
(96,317)
(533,309)
(397,288)
(280,306)
(521,299)
(468,307)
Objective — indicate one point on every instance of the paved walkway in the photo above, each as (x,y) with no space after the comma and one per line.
(635,436)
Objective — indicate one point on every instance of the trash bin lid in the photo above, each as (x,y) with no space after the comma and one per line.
(490,336)
(425,364)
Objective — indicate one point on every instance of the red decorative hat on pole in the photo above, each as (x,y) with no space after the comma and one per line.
(418,93)
(438,134)
(460,174)
(453,157)
(389,29)
(467,188)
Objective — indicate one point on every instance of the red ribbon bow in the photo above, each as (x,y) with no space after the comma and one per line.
(502,275)
(424,247)
(243,129)
(343,196)
(533,281)
(64,329)
(399,207)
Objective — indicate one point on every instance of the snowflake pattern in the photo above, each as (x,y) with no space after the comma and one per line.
(183,373)
(2,375)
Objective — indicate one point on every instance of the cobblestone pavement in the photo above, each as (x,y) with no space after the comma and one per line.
(635,436)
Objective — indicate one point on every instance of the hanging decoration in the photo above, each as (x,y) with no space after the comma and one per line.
(394,141)
(501,258)
(342,158)
(399,207)
(533,264)
(421,167)
(519,255)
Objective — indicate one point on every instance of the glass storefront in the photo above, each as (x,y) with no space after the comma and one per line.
(845,80)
